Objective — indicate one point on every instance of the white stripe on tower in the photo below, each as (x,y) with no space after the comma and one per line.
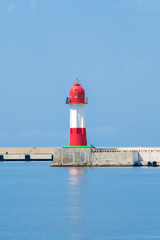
(77,118)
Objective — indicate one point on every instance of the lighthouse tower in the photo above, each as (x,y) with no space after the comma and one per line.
(77,101)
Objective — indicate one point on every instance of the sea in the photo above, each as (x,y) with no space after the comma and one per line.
(39,202)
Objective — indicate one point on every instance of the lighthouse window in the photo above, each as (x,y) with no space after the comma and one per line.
(76,90)
(75,95)
(81,96)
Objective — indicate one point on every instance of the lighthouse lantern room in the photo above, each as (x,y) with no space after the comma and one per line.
(77,101)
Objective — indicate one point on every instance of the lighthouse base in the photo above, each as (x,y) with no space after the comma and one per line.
(78,137)
(90,157)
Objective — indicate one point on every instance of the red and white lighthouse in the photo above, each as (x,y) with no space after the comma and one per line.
(77,101)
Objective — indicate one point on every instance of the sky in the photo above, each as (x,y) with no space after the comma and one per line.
(112,46)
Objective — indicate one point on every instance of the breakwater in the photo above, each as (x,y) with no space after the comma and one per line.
(89,157)
(27,154)
(109,156)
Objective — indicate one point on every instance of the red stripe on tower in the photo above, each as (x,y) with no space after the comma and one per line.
(77,101)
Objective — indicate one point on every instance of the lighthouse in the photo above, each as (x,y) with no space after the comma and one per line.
(77,101)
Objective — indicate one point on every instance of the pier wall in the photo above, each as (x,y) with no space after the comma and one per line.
(27,154)
(72,156)
(86,157)
(106,157)
(145,157)
(115,156)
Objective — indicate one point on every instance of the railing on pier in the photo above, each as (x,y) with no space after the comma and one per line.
(125,149)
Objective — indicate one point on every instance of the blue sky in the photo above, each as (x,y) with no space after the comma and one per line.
(113,47)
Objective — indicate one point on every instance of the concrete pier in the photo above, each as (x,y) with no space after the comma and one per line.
(27,154)
(109,157)
(91,157)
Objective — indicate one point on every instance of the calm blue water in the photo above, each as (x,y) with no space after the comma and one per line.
(42,203)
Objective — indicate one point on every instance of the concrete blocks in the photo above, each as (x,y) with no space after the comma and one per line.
(102,157)
(72,156)
(87,157)
(146,157)
(114,158)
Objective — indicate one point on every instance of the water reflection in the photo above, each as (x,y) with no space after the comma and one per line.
(75,175)
(76,204)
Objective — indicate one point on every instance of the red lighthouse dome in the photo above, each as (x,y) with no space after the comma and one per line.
(76,95)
